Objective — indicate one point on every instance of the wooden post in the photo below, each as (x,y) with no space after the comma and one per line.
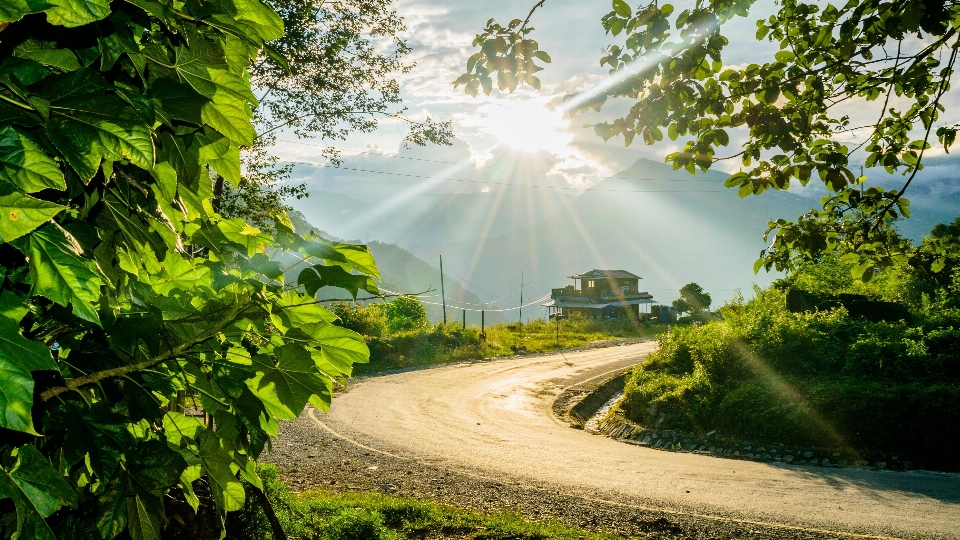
(521,303)
(442,293)
(464,319)
(558,326)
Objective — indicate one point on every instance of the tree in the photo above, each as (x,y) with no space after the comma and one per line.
(333,75)
(695,299)
(122,289)
(405,313)
(897,56)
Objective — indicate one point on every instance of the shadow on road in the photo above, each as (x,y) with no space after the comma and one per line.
(883,485)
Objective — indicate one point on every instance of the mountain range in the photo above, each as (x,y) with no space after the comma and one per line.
(669,227)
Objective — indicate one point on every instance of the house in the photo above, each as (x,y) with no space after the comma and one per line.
(601,294)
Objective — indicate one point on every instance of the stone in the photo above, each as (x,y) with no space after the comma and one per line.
(387,488)
(701,447)
(788,458)
(808,455)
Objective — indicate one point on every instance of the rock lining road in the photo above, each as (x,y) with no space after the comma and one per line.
(483,434)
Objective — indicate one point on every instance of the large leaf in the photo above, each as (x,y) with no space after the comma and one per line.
(318,276)
(339,346)
(13,10)
(59,273)
(72,13)
(37,489)
(294,376)
(216,460)
(88,125)
(21,214)
(357,258)
(204,67)
(143,518)
(24,164)
(98,434)
(18,357)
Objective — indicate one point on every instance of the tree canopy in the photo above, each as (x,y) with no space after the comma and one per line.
(125,295)
(796,113)
(692,299)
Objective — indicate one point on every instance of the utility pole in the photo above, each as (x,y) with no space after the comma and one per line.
(483,331)
(557,316)
(521,301)
(464,319)
(442,293)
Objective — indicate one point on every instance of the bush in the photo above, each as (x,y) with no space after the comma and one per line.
(367,320)
(825,378)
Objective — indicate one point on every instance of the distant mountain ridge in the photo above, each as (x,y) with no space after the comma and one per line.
(403,272)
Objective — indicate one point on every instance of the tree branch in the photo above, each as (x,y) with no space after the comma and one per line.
(98,376)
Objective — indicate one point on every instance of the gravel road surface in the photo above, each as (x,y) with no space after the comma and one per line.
(483,435)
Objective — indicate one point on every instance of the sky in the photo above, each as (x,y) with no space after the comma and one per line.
(440,34)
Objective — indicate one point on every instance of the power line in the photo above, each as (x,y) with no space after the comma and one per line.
(379,154)
(557,188)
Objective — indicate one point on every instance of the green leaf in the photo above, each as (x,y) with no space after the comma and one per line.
(143,517)
(339,346)
(221,153)
(622,8)
(112,514)
(203,67)
(14,10)
(216,460)
(318,276)
(37,489)
(356,257)
(21,214)
(47,54)
(24,164)
(71,13)
(294,377)
(18,357)
(87,125)
(58,272)
(99,435)
(252,239)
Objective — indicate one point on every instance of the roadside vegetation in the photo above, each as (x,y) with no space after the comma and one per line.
(400,336)
(330,515)
(823,377)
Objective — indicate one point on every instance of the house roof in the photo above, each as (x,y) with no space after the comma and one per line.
(559,303)
(604,274)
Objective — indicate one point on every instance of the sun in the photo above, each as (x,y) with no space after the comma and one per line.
(527,125)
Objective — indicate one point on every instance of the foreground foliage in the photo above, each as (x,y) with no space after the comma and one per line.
(365,516)
(821,378)
(123,288)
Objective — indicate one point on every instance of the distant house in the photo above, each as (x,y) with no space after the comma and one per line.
(600,294)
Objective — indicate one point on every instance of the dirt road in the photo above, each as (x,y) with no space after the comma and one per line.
(493,420)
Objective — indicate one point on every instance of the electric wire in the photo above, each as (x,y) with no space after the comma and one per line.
(487,182)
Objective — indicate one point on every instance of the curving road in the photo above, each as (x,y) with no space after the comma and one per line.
(493,419)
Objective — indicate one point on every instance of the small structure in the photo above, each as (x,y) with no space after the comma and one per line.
(600,294)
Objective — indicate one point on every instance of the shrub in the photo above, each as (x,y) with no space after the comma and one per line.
(765,374)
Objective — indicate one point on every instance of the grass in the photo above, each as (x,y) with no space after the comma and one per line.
(329,515)
(440,343)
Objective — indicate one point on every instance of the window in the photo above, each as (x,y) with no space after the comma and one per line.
(625,289)
(590,284)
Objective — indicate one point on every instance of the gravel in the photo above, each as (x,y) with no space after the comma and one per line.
(311,457)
